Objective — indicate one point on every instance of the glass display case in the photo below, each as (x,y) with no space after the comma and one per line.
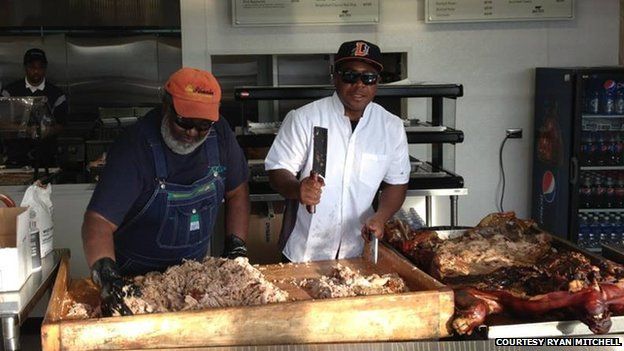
(25,125)
(432,165)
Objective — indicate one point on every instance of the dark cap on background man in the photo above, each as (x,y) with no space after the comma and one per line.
(196,93)
(35,55)
(359,50)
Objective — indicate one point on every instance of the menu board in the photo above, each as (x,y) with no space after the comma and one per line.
(440,11)
(286,12)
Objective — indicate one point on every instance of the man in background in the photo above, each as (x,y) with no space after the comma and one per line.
(35,84)
(39,153)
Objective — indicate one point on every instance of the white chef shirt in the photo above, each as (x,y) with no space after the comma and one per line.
(357,162)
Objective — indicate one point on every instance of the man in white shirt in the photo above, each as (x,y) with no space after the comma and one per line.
(367,148)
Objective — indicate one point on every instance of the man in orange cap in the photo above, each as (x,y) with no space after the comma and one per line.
(158,198)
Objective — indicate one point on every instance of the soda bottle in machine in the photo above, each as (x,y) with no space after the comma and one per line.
(619,99)
(619,191)
(602,150)
(616,227)
(593,100)
(583,236)
(617,148)
(585,193)
(608,104)
(609,198)
(598,193)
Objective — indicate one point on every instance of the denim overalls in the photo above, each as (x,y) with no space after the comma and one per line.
(177,221)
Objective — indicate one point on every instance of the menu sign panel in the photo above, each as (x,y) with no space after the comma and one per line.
(440,11)
(286,12)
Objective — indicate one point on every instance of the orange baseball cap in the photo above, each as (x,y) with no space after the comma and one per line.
(196,93)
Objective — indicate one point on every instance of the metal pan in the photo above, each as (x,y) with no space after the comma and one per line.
(614,253)
(499,329)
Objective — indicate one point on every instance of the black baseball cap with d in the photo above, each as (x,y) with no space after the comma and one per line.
(359,50)
(35,55)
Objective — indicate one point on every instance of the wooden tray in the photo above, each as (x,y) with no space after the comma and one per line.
(423,313)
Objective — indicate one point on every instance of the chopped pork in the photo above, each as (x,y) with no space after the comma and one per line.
(344,282)
(193,285)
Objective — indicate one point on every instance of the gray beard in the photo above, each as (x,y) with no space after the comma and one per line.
(176,146)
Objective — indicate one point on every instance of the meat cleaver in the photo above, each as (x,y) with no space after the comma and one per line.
(374,247)
(319,160)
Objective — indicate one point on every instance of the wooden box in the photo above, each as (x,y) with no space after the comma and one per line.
(423,313)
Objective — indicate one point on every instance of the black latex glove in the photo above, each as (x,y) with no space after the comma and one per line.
(234,247)
(105,274)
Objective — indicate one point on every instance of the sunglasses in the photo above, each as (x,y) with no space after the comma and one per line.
(351,77)
(188,124)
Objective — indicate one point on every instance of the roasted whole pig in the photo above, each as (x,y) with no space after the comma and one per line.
(506,264)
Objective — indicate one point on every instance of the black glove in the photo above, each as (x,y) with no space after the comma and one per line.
(234,247)
(106,275)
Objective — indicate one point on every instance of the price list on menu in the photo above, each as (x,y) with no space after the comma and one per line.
(440,11)
(294,12)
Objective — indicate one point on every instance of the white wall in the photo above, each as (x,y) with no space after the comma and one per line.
(494,62)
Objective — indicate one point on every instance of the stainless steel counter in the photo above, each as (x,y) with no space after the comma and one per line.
(16,305)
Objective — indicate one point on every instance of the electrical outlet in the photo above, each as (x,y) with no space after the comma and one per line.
(514,133)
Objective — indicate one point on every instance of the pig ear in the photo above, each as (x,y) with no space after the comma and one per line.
(7,200)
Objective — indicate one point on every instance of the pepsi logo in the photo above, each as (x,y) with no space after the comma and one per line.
(609,84)
(549,188)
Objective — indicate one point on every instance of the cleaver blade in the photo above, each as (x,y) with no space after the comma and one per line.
(319,154)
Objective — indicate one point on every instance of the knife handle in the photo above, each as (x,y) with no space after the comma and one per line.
(312,208)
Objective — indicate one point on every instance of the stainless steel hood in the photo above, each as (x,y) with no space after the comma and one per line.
(58,14)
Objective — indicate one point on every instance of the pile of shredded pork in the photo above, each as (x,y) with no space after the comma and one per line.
(219,282)
(343,282)
(193,285)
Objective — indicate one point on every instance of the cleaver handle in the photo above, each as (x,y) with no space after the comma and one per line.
(312,208)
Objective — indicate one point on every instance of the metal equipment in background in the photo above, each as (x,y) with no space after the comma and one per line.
(111,122)
(25,130)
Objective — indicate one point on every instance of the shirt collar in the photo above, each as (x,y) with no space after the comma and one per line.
(339,107)
(337,104)
(34,88)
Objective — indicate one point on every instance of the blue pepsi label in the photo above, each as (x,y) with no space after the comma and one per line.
(609,85)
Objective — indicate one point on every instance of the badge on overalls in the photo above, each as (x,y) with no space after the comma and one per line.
(194,222)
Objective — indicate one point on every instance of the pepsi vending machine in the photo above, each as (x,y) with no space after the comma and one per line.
(578,161)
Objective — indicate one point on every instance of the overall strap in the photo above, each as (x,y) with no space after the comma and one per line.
(154,141)
(211,147)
